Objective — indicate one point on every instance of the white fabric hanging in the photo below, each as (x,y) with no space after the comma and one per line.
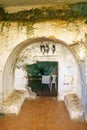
(45,79)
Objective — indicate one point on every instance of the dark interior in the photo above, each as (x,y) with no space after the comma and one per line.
(40,78)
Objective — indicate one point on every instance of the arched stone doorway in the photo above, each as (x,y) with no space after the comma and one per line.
(42,49)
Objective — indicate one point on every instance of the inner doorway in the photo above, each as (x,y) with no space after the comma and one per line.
(43,78)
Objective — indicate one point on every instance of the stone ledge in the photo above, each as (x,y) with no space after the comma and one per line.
(13,103)
(74,107)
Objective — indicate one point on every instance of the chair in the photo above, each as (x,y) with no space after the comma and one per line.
(53,81)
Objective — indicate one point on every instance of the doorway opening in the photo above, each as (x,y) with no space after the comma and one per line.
(43,78)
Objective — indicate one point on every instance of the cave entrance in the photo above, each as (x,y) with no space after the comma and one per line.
(43,78)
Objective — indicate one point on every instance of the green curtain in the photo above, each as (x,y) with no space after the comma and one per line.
(40,68)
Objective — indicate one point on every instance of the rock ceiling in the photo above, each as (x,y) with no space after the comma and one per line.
(36,2)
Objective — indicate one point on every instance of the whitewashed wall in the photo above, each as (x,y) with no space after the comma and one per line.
(68,76)
(12,34)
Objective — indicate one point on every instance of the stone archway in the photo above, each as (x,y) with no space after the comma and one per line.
(66,63)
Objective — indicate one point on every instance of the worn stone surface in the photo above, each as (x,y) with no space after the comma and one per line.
(74,107)
(13,103)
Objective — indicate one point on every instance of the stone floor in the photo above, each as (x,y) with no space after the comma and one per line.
(43,113)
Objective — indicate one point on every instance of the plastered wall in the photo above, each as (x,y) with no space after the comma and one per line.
(13,34)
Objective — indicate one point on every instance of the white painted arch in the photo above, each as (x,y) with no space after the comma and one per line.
(9,69)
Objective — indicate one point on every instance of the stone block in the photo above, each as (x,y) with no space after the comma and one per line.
(13,103)
(74,107)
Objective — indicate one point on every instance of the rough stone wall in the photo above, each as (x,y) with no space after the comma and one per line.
(13,33)
(86,72)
